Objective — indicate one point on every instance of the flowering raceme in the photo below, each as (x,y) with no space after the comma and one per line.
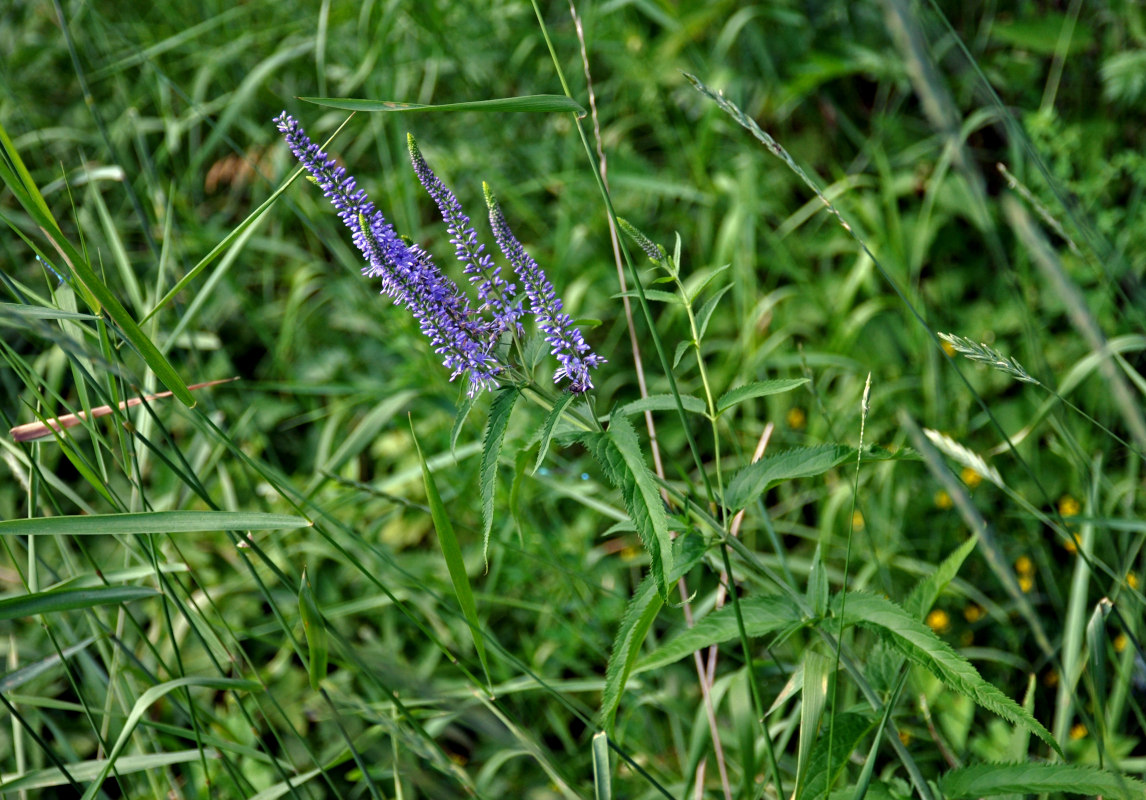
(465,339)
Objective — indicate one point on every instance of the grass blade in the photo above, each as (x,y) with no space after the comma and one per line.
(144,703)
(452,552)
(30,605)
(318,651)
(528,103)
(151,522)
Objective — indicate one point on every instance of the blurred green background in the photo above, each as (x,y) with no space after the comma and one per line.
(148,129)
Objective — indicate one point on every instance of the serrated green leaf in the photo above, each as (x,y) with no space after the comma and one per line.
(144,703)
(51,602)
(151,522)
(757,389)
(662,402)
(452,552)
(801,462)
(986,780)
(318,650)
(550,426)
(619,452)
(640,612)
(527,104)
(705,313)
(922,647)
(499,412)
(763,615)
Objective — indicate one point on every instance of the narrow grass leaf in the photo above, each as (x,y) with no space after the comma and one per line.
(29,605)
(813,699)
(757,389)
(455,563)
(151,522)
(663,402)
(499,412)
(802,462)
(550,426)
(527,103)
(987,780)
(848,731)
(144,703)
(17,678)
(283,788)
(619,452)
(88,770)
(922,647)
(318,650)
(763,615)
(602,778)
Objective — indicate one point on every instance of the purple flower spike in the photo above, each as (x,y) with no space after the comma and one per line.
(565,341)
(493,290)
(407,272)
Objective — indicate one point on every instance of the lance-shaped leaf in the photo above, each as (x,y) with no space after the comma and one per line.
(922,647)
(987,780)
(801,462)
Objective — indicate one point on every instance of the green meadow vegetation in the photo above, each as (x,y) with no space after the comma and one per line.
(855,508)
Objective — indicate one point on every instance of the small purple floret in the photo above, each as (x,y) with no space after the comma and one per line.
(565,341)
(408,274)
(493,290)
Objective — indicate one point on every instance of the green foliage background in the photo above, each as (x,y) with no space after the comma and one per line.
(149,134)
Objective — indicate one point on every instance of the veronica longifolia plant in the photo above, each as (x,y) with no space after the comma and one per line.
(468,339)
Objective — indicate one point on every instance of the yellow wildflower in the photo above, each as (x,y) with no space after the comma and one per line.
(971,477)
(1068,506)
(796,418)
(938,620)
(943,500)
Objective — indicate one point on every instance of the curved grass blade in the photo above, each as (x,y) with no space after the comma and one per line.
(986,780)
(151,522)
(499,412)
(528,103)
(318,651)
(95,293)
(17,678)
(87,770)
(455,563)
(30,605)
(922,647)
(144,703)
